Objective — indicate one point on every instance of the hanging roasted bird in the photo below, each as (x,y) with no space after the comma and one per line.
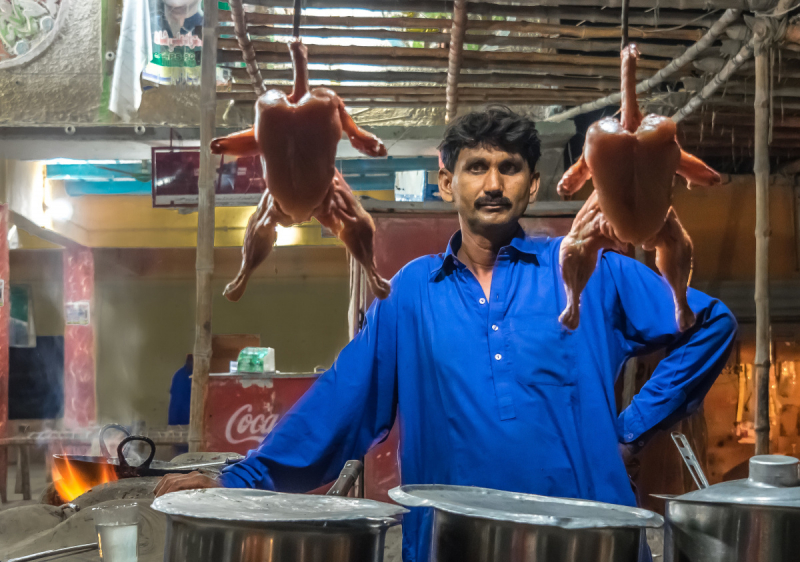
(296,137)
(632,163)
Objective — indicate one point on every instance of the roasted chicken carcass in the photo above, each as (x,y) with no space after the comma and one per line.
(632,163)
(296,137)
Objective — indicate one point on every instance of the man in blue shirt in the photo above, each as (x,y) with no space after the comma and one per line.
(180,393)
(467,355)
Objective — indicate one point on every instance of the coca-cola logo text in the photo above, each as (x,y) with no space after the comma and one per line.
(243,426)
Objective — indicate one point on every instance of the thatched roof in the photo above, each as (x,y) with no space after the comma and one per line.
(394,53)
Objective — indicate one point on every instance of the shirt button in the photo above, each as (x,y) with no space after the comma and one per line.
(629,436)
(498,357)
(494,327)
(482,301)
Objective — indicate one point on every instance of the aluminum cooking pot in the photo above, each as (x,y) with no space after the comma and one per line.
(751,520)
(243,525)
(483,525)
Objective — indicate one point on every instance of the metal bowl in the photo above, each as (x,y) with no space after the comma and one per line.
(483,525)
(224,525)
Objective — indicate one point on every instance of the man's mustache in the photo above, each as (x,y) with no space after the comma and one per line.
(487,200)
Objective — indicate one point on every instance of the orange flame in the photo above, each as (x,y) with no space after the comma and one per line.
(70,481)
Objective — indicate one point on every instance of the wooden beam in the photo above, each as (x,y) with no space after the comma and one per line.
(344,53)
(727,71)
(457,32)
(441,64)
(246,46)
(596,14)
(483,38)
(687,57)
(443,25)
(205,227)
(436,6)
(240,74)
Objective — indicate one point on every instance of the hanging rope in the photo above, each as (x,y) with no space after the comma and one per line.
(298,12)
(625,40)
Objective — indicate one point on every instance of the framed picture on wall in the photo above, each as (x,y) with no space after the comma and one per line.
(22,332)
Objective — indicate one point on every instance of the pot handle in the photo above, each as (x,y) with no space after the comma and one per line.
(691,461)
(100,437)
(124,462)
(347,478)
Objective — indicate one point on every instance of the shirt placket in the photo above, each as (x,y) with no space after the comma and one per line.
(501,363)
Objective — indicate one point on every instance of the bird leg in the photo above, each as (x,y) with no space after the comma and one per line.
(674,260)
(590,233)
(239,144)
(574,178)
(259,237)
(696,171)
(343,214)
(631,115)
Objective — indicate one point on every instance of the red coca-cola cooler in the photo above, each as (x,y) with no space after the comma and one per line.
(241,408)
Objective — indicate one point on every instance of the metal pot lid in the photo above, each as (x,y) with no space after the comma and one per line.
(774,481)
(260,506)
(528,509)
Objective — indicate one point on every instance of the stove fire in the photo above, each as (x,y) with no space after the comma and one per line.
(72,480)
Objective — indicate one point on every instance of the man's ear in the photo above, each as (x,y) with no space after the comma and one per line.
(535,181)
(446,184)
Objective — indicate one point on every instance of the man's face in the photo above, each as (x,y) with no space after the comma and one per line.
(490,187)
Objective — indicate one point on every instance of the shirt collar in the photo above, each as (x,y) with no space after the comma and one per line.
(521,243)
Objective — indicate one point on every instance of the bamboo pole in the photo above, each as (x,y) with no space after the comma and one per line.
(691,54)
(727,71)
(457,32)
(389,53)
(515,26)
(639,17)
(584,45)
(205,226)
(541,80)
(246,46)
(761,169)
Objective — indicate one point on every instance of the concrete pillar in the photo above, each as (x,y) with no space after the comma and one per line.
(80,408)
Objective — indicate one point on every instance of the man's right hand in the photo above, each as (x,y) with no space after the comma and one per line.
(178,482)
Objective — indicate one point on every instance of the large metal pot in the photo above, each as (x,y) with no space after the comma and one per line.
(242,525)
(483,525)
(751,520)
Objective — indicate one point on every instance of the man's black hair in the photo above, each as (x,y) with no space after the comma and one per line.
(496,126)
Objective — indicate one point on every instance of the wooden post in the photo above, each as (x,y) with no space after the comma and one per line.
(761,170)
(5,315)
(457,32)
(205,224)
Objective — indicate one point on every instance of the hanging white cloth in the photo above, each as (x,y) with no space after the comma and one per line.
(133,52)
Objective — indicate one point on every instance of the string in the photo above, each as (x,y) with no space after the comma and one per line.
(298,11)
(624,24)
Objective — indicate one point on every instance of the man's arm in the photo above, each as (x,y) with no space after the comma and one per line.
(349,409)
(646,322)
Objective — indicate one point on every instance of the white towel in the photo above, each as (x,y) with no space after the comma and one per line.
(133,52)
